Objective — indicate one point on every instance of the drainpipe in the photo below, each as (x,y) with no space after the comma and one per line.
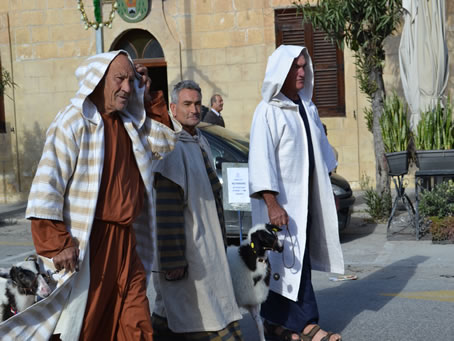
(99,40)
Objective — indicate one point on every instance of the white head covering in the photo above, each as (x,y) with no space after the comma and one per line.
(277,69)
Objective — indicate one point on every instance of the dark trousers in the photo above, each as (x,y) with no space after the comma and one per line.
(292,315)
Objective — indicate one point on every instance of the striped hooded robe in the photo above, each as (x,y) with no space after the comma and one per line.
(65,188)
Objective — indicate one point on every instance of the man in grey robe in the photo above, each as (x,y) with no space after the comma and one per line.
(195,298)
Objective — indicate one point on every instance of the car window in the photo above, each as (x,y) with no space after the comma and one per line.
(235,140)
(219,151)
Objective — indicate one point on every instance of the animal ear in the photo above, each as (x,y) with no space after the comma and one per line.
(256,244)
(13,272)
(32,257)
(273,228)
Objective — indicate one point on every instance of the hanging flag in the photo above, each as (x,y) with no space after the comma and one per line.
(133,10)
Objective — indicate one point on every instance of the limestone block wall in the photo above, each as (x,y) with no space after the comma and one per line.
(41,44)
(225,47)
(221,44)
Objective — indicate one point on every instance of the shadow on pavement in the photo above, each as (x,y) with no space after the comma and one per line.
(359,227)
(351,298)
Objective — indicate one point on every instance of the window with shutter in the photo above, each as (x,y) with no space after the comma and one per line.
(327,60)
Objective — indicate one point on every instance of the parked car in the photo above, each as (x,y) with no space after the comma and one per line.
(228,146)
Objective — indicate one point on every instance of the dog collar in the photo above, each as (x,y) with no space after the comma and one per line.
(13,311)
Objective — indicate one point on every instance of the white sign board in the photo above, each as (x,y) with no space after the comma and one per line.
(236,186)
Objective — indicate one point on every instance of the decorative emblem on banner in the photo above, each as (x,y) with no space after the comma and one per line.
(132,10)
(98,17)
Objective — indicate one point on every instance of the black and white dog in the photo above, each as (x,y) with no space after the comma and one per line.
(20,286)
(251,271)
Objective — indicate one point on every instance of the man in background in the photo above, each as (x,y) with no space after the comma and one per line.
(213,116)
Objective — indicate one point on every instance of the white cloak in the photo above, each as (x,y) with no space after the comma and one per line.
(278,162)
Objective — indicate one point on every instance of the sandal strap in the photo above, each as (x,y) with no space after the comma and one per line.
(309,336)
(327,337)
(284,334)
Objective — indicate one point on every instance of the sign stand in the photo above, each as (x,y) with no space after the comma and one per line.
(236,190)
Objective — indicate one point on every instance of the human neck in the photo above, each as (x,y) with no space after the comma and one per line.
(100,105)
(293,95)
(190,130)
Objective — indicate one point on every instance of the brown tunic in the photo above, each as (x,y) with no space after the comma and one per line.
(117,306)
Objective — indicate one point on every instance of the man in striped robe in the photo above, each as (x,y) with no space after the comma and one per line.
(92,184)
(195,298)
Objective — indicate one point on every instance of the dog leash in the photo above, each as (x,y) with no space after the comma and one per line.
(292,246)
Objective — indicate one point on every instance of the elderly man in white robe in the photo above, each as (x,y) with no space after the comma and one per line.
(289,164)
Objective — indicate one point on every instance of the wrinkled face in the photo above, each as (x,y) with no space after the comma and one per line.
(187,110)
(219,104)
(118,84)
(295,77)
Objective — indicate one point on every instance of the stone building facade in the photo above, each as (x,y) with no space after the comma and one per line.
(221,44)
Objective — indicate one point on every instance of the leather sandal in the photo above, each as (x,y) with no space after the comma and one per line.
(275,332)
(310,336)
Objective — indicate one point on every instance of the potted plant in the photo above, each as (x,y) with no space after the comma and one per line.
(434,139)
(396,135)
(437,209)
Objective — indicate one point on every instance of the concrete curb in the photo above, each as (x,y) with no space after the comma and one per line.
(17,210)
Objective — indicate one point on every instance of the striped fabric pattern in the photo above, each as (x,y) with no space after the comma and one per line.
(217,192)
(66,184)
(171,241)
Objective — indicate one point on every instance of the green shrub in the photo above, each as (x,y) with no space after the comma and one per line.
(394,125)
(378,205)
(6,81)
(442,229)
(439,202)
(435,130)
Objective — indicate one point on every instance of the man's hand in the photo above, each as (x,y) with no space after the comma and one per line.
(67,259)
(145,80)
(175,275)
(277,215)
